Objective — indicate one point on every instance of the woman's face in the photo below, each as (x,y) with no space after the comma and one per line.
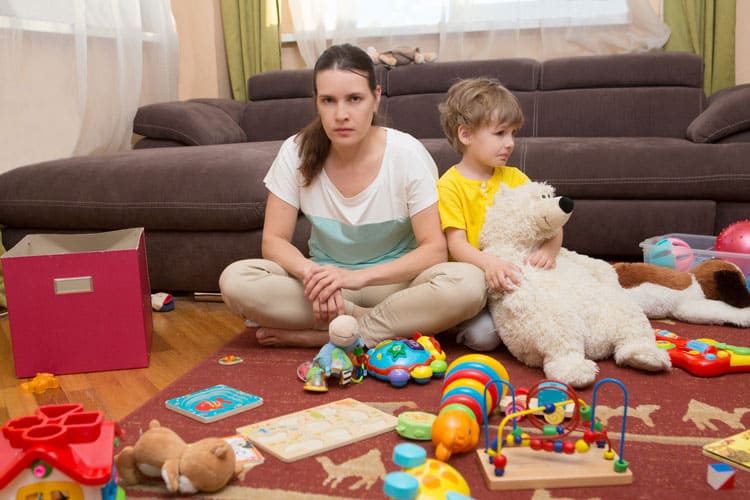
(346,105)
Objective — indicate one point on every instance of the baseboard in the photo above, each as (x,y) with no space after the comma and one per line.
(207,297)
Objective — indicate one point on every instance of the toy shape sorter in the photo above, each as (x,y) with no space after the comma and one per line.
(60,451)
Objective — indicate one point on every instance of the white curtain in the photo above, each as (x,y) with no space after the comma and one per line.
(480,29)
(73,73)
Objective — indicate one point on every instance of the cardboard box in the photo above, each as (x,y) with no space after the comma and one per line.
(78,302)
(701,248)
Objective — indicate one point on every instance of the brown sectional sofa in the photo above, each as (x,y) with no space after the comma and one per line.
(632,138)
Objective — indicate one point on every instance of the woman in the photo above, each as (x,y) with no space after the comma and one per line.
(376,248)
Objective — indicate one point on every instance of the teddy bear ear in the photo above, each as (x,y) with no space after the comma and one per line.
(220,450)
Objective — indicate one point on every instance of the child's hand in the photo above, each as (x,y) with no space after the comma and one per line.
(543,258)
(502,276)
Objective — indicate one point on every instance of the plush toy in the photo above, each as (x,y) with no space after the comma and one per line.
(401,56)
(712,292)
(561,319)
(206,465)
(339,356)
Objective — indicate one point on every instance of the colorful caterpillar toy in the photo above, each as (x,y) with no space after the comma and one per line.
(462,405)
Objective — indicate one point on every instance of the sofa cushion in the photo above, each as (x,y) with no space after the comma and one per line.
(674,69)
(194,123)
(728,113)
(210,188)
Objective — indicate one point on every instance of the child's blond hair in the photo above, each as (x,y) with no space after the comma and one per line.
(476,103)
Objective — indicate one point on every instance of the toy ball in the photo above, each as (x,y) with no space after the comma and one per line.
(671,252)
(735,238)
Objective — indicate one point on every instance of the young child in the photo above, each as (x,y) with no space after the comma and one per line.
(480,118)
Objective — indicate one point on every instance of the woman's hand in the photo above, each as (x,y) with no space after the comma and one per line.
(323,285)
(326,311)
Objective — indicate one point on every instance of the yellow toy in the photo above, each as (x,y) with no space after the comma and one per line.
(40,383)
(423,478)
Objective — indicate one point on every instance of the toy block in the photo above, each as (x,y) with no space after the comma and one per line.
(720,476)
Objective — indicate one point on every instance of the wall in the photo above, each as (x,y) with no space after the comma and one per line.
(203,67)
(203,71)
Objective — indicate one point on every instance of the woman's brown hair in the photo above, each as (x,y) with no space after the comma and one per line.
(314,144)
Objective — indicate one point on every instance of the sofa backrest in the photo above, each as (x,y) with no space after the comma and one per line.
(650,95)
(281,103)
(414,91)
(646,95)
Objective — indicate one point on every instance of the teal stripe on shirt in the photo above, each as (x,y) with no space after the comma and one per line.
(357,247)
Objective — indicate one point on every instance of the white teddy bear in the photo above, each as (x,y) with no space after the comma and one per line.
(564,318)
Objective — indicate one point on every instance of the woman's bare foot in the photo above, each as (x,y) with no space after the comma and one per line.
(278,337)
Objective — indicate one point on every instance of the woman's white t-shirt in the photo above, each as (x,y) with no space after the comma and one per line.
(371,227)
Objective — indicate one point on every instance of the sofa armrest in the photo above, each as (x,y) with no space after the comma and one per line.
(727,116)
(196,122)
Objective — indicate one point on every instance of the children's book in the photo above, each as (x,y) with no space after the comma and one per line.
(733,450)
(247,455)
(214,403)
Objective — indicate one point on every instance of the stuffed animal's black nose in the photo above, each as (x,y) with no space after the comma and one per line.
(566,204)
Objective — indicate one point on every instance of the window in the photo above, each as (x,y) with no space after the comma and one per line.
(396,17)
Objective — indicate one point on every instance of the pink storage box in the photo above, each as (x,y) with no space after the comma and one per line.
(78,302)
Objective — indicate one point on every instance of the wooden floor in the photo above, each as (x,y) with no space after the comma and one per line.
(182,338)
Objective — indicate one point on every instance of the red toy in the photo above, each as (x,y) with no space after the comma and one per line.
(735,238)
(59,450)
(703,357)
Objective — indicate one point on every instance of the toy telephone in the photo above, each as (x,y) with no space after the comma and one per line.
(703,357)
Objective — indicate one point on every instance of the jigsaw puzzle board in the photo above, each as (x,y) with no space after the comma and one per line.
(315,430)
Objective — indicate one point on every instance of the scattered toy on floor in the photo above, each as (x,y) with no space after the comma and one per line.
(340,357)
(566,318)
(60,448)
(703,357)
(552,433)
(399,360)
(206,465)
(713,292)
(720,476)
(40,383)
(470,389)
(423,477)
(162,302)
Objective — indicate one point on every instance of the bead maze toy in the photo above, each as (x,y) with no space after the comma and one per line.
(703,357)
(464,401)
(423,478)
(399,360)
(60,451)
(518,459)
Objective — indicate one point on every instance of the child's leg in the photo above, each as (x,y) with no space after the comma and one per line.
(479,333)
(439,298)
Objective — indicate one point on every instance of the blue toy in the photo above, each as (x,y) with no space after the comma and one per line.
(673,253)
(399,360)
(341,356)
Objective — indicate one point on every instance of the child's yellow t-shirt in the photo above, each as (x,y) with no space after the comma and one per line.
(463,202)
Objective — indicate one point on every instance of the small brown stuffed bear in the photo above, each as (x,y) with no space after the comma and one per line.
(206,465)
(401,56)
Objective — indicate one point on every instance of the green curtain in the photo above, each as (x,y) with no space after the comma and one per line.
(251,37)
(706,28)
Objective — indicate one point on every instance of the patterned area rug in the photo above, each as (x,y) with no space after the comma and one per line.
(670,416)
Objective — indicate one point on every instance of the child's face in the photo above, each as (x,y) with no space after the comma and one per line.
(489,146)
